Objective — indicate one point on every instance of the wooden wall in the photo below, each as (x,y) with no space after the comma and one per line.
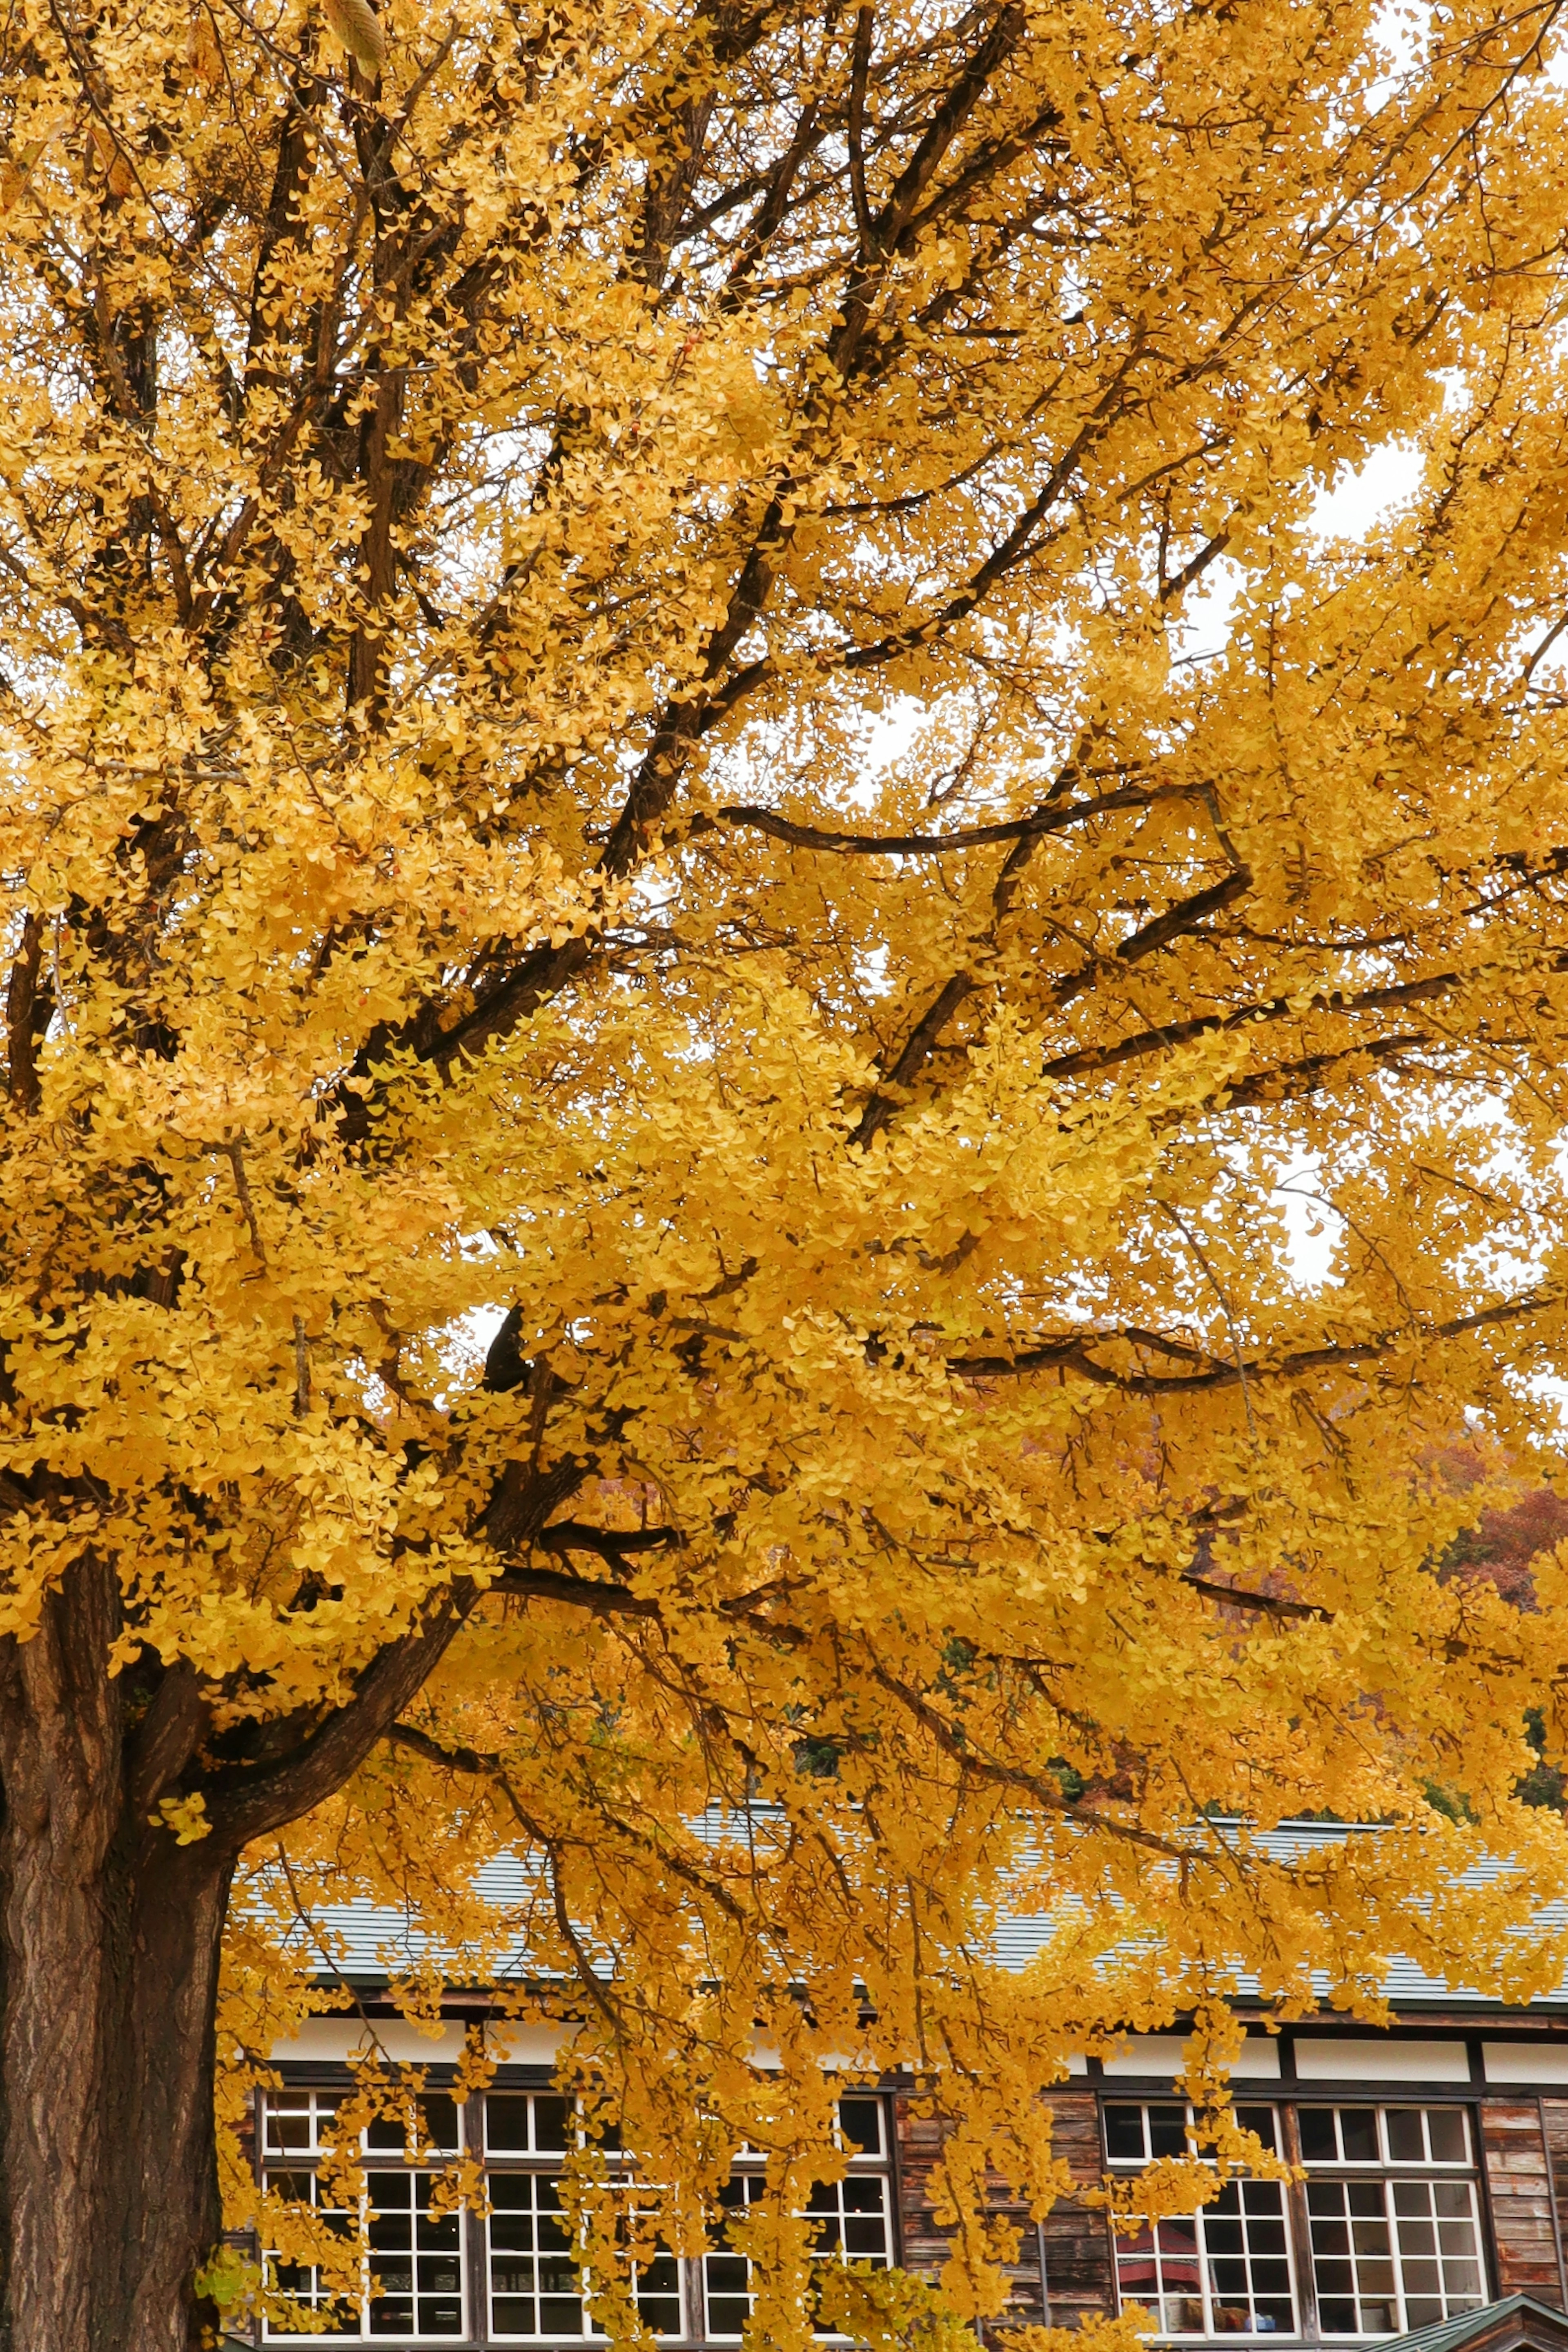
(1523,2204)
(1064,2270)
(1063,2273)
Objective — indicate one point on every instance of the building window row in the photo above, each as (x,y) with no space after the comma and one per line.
(421,2270)
(1385,2235)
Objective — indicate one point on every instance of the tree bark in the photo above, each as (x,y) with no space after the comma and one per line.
(110,1937)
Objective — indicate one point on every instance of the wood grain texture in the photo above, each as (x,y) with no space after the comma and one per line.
(1073,2239)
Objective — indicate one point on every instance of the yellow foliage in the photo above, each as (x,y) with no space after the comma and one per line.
(707,866)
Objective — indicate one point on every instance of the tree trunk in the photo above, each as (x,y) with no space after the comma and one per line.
(109,1936)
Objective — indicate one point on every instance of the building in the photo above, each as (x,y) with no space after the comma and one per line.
(1434,2156)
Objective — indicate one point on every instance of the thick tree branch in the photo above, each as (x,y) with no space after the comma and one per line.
(1072,1354)
(605,1600)
(1088,1058)
(450,1759)
(242,1806)
(1032,827)
(1183,917)
(165,1739)
(917,1048)
(609,1543)
(26,1000)
(1268,1603)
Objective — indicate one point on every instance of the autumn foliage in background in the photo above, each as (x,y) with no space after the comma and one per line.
(672,709)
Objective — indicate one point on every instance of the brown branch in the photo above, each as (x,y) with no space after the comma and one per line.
(25,998)
(605,1599)
(1286,1081)
(1071,1353)
(609,1543)
(165,1739)
(1184,916)
(918,1046)
(244,1805)
(1266,1602)
(946,123)
(1089,1058)
(523,1497)
(450,1759)
(924,844)
(855,132)
(1045,1792)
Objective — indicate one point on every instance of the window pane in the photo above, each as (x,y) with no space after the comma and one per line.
(860,2121)
(726,2276)
(416,2264)
(536,2281)
(1397,2253)
(657,2288)
(303,2281)
(550,2125)
(851,2219)
(425,2123)
(506,2122)
(442,2127)
(297,2122)
(1358,2134)
(1124,2135)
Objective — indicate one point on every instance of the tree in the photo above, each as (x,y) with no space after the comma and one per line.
(702,858)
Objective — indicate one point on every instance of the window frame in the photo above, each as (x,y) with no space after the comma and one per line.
(878,2164)
(291,2097)
(327,2088)
(1385,2171)
(547,2164)
(1129,2167)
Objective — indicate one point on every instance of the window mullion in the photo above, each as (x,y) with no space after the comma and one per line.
(1396,2253)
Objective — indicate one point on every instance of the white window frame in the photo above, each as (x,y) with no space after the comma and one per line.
(540,2163)
(318,2108)
(1129,2167)
(864,2164)
(1388,2173)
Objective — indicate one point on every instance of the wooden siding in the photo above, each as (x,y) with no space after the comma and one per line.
(1072,2240)
(1519,2185)
(1080,2277)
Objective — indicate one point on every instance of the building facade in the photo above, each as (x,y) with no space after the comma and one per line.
(1433,2161)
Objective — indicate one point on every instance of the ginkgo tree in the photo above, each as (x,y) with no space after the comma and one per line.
(709,867)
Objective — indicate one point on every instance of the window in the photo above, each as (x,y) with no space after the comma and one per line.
(534,2277)
(303,2280)
(415,2258)
(1391,2201)
(853,2217)
(298,2123)
(411,2266)
(1225,2270)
